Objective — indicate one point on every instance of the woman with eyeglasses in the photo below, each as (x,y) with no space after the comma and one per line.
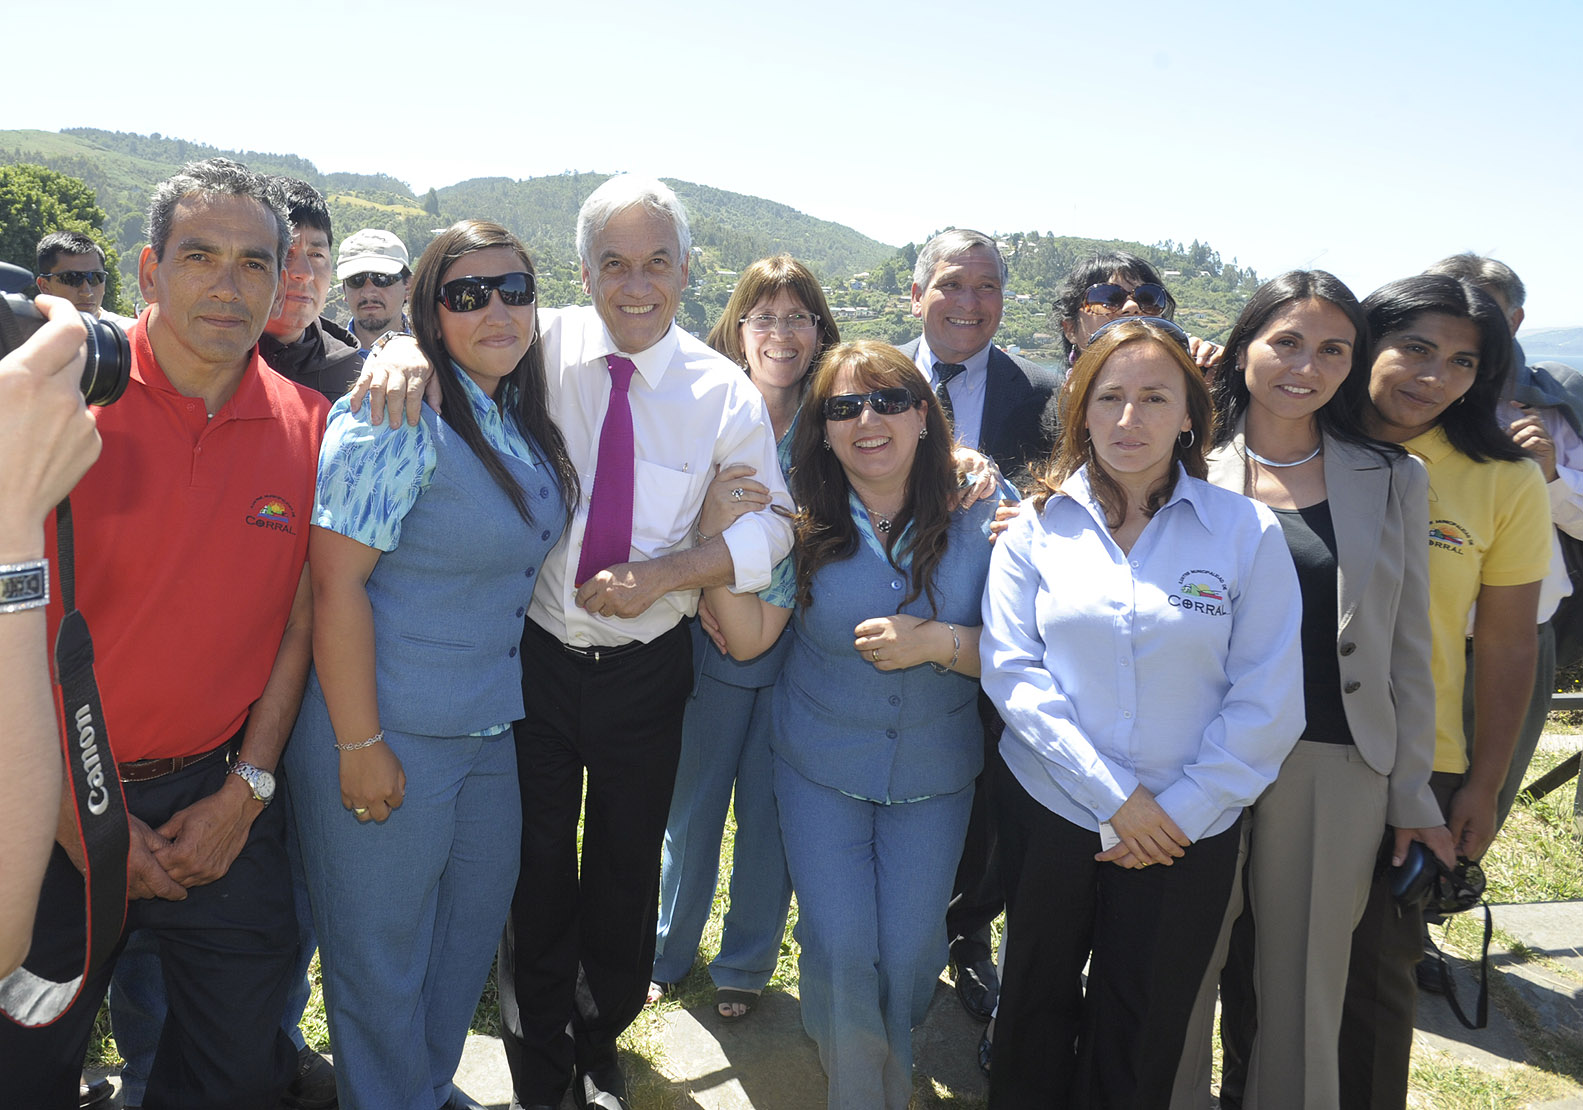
(1290,433)
(1140,641)
(875,734)
(1441,354)
(402,770)
(775,327)
(1111,286)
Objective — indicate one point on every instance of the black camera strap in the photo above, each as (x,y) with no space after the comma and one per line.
(30,999)
(1449,988)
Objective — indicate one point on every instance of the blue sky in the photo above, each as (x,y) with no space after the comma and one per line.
(1365,138)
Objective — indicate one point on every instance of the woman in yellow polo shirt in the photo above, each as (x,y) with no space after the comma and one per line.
(1441,352)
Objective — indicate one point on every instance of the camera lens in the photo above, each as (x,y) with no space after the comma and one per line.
(107,366)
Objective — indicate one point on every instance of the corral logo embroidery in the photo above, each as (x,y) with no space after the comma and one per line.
(274,514)
(1201,591)
(1448,535)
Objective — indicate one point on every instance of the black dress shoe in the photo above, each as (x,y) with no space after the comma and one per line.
(94,1093)
(461,1100)
(978,986)
(313,1087)
(600,1088)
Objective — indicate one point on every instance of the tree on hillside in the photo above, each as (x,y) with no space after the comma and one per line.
(431,203)
(35,201)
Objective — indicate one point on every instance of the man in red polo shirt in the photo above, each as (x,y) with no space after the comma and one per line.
(191,537)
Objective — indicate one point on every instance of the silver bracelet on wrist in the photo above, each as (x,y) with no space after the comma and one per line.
(24,585)
(377,738)
(956,650)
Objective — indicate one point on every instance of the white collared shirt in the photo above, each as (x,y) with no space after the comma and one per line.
(966,391)
(692,411)
(1177,665)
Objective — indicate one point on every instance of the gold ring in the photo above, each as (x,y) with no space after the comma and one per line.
(875,654)
(360,810)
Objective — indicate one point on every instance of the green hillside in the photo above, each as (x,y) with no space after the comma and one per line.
(867,280)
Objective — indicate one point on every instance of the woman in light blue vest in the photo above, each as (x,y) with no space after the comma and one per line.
(875,737)
(775,327)
(424,552)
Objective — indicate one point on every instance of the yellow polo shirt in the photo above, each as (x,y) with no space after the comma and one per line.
(1489,525)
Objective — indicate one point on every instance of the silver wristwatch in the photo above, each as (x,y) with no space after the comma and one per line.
(259,781)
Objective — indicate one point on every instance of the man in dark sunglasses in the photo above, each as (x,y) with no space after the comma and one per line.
(1004,406)
(374,271)
(71,265)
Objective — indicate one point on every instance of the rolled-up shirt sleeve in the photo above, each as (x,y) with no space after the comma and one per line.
(759,540)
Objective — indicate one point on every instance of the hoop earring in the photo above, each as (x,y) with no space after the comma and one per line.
(1192,438)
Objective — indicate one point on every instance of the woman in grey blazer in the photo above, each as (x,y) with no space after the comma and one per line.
(1289,433)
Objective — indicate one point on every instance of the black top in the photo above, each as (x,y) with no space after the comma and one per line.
(1311,536)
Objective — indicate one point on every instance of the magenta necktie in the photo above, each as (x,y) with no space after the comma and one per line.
(608,538)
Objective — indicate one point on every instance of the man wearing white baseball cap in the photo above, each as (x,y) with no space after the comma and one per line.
(374,272)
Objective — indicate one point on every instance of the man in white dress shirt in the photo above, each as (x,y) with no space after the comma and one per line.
(607,660)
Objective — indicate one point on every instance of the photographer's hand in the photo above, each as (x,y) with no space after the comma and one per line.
(47,435)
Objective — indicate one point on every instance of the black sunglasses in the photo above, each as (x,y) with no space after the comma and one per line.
(469,294)
(1167,328)
(1107,296)
(886,402)
(75,278)
(383,281)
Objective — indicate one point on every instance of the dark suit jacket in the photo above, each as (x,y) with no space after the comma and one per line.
(1380,510)
(1021,400)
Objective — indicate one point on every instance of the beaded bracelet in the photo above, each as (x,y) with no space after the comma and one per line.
(956,650)
(377,738)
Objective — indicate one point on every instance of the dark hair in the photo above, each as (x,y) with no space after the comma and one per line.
(760,282)
(57,243)
(303,203)
(525,387)
(1075,449)
(1486,273)
(1101,268)
(1344,415)
(214,177)
(1469,422)
(825,530)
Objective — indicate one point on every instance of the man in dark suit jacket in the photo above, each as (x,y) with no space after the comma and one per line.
(1004,406)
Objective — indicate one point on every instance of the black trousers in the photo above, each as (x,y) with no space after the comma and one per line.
(977,894)
(1147,935)
(579,946)
(226,951)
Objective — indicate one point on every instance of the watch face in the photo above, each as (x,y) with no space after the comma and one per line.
(259,781)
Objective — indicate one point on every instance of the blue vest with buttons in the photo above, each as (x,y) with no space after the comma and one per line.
(886,736)
(449,601)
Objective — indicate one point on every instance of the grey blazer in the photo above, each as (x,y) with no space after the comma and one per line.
(1380,509)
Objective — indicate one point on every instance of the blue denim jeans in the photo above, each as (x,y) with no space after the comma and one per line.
(408,911)
(725,744)
(137,990)
(872,885)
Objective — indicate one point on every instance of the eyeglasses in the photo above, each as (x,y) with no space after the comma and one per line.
(793,321)
(383,281)
(75,278)
(886,402)
(1108,297)
(1166,328)
(469,294)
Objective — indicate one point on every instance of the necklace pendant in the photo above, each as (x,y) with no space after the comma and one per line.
(883,525)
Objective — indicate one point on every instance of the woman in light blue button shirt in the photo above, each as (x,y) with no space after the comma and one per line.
(1140,640)
(876,736)
(425,548)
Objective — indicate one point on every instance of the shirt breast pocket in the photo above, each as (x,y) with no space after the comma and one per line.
(665,504)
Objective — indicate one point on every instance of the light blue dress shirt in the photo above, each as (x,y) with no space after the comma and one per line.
(966,391)
(1176,665)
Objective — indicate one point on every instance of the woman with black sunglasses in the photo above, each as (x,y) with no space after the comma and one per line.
(1140,642)
(402,771)
(876,739)
(1111,286)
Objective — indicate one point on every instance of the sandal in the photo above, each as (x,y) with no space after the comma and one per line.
(660,991)
(727,1001)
